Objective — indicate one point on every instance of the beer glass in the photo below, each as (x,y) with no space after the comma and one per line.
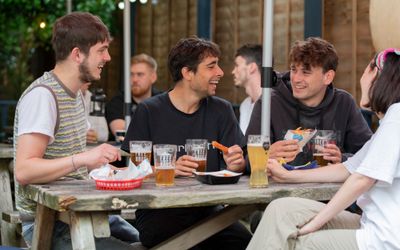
(198,149)
(164,163)
(140,150)
(257,149)
(322,137)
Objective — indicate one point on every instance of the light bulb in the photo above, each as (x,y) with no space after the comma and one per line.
(143,1)
(42,25)
(121,5)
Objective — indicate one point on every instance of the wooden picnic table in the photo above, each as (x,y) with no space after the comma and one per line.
(86,209)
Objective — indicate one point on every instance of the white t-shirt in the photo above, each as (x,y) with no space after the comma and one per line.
(380,160)
(246,107)
(37,113)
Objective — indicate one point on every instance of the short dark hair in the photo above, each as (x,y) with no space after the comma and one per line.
(252,53)
(385,91)
(77,29)
(315,52)
(189,52)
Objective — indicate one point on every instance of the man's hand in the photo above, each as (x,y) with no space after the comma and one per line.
(332,153)
(276,171)
(97,156)
(185,166)
(91,136)
(234,159)
(285,149)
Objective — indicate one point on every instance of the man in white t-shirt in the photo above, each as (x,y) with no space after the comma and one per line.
(247,74)
(50,126)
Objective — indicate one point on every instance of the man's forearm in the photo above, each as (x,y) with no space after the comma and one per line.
(330,173)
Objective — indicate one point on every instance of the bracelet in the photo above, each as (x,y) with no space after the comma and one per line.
(73,163)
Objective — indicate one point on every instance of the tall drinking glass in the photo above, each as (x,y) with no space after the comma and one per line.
(164,163)
(140,150)
(322,137)
(198,149)
(258,148)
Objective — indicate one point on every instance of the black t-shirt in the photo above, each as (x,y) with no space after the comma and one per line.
(115,107)
(156,119)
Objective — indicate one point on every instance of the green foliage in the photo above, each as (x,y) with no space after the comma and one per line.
(20,35)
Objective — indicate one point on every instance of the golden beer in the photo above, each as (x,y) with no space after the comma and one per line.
(319,157)
(258,157)
(165,176)
(137,157)
(202,165)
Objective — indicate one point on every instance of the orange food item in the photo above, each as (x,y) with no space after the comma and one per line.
(301,131)
(227,175)
(219,146)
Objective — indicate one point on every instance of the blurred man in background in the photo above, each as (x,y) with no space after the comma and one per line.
(247,74)
(143,76)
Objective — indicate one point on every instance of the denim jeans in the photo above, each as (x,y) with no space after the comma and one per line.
(122,234)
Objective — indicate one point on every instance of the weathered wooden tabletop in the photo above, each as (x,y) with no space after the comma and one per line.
(188,192)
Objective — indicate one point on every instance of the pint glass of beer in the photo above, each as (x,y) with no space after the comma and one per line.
(322,137)
(258,148)
(140,150)
(198,149)
(164,163)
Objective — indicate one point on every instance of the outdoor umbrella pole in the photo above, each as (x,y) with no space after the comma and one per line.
(267,70)
(127,63)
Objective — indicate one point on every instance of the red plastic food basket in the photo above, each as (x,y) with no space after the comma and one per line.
(118,184)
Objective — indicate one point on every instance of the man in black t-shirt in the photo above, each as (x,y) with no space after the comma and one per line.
(190,111)
(143,76)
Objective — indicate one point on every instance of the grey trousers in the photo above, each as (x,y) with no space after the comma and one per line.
(278,227)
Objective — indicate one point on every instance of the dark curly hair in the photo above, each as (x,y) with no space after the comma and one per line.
(189,52)
(314,52)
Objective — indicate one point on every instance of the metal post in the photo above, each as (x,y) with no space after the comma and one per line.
(127,63)
(69,6)
(267,70)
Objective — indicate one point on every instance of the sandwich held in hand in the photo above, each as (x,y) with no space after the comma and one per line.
(302,135)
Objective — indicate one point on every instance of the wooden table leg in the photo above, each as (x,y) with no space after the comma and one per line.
(101,225)
(8,231)
(43,231)
(81,231)
(207,227)
(5,192)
